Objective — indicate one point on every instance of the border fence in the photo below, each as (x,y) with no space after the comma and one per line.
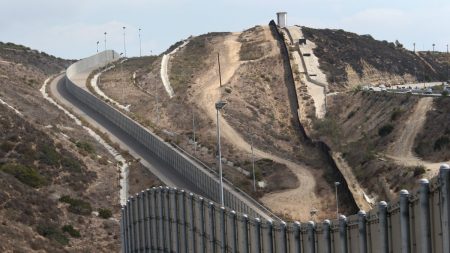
(206,182)
(171,220)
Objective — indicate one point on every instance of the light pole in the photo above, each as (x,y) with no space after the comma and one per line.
(253,163)
(124,45)
(220,105)
(193,130)
(122,74)
(414,44)
(105,40)
(336,184)
(140,44)
(433,47)
(448,59)
(97,45)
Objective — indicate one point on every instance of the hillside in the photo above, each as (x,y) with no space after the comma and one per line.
(349,59)
(255,86)
(53,173)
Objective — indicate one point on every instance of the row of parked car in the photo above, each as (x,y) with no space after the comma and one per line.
(410,88)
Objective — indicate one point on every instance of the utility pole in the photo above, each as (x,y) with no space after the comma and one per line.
(448,60)
(105,40)
(220,105)
(253,163)
(124,46)
(97,45)
(414,44)
(336,184)
(220,74)
(433,47)
(140,44)
(193,130)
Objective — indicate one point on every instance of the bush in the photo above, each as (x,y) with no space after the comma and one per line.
(26,175)
(385,130)
(71,231)
(419,170)
(103,160)
(85,146)
(396,114)
(77,206)
(441,143)
(71,163)
(444,93)
(104,213)
(53,233)
(49,155)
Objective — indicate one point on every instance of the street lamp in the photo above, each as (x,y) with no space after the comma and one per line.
(433,47)
(97,45)
(336,184)
(253,163)
(105,40)
(140,45)
(220,105)
(124,46)
(414,44)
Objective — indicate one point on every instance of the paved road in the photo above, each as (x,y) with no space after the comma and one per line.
(161,169)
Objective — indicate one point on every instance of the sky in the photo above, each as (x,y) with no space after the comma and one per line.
(70,29)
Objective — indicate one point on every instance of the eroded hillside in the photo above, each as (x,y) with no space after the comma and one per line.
(349,59)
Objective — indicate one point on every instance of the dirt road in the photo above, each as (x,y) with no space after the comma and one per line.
(297,202)
(401,150)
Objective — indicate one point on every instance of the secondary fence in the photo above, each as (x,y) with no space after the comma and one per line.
(171,220)
(204,181)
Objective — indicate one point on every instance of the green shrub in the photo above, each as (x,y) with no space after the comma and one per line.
(444,93)
(71,163)
(53,233)
(396,114)
(71,231)
(26,175)
(441,143)
(85,146)
(104,213)
(419,170)
(49,155)
(385,130)
(77,206)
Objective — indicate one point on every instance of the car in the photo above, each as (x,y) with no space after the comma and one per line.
(428,91)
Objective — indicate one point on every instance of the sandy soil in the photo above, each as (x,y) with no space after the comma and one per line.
(207,93)
(401,150)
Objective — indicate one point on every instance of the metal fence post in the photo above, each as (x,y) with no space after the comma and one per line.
(199,225)
(141,221)
(166,218)
(310,227)
(242,235)
(160,220)
(147,221)
(267,240)
(173,220)
(123,230)
(190,219)
(296,240)
(280,242)
(362,231)
(153,219)
(131,211)
(404,221)
(444,177)
(425,228)
(222,238)
(255,233)
(343,233)
(182,226)
(231,232)
(383,223)
(210,229)
(327,236)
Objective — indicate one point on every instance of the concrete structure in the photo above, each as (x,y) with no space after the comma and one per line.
(282,19)
(170,220)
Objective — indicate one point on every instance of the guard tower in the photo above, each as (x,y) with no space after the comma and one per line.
(282,19)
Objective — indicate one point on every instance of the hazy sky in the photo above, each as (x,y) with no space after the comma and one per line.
(70,29)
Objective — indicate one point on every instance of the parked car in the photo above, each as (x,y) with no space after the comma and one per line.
(428,91)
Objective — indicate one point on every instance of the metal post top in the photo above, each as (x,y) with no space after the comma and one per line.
(220,104)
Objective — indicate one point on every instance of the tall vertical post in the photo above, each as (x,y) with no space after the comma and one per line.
(220,74)
(255,239)
(219,105)
(310,228)
(222,238)
(383,223)
(336,184)
(253,163)
(296,233)
(267,239)
(424,207)
(242,226)
(327,236)
(280,242)
(362,230)
(404,221)
(444,178)
(124,45)
(193,130)
(343,233)
(105,40)
(140,44)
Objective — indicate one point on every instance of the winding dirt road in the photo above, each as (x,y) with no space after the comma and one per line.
(401,150)
(208,93)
